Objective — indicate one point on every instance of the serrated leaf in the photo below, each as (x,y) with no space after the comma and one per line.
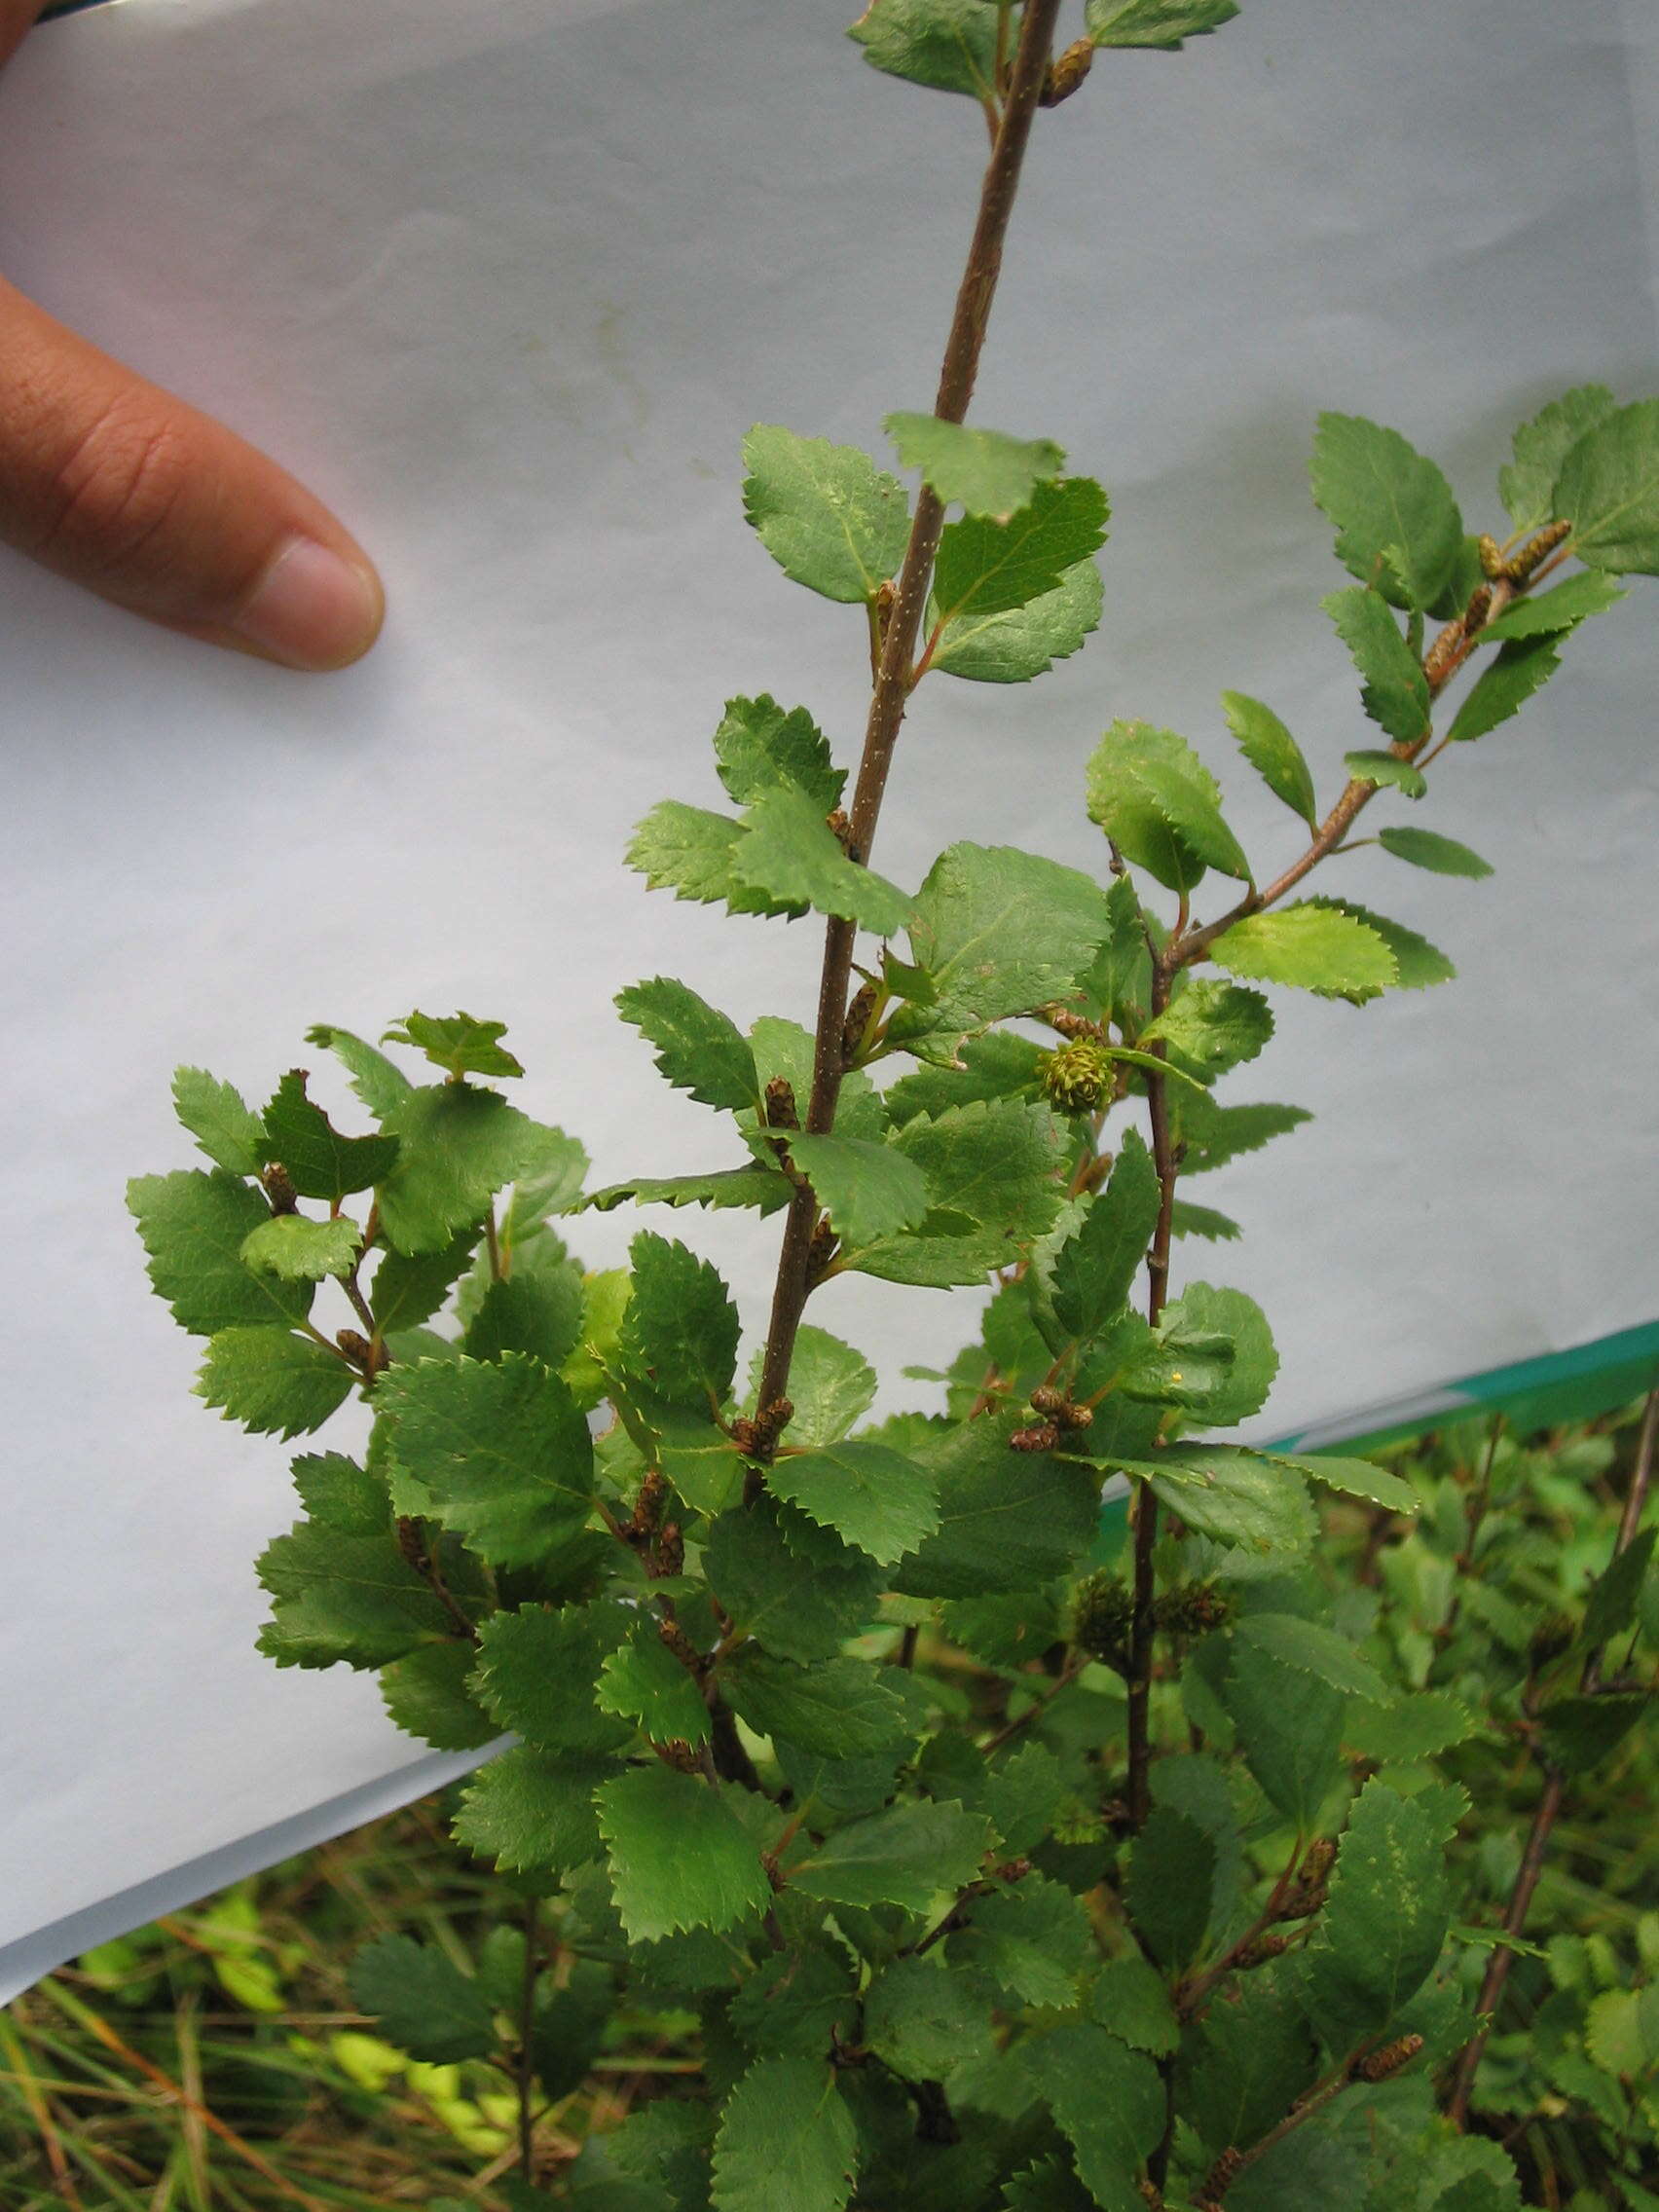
(1034,1941)
(1131,2002)
(1504,686)
(643,1681)
(300,1251)
(1580,1732)
(698,1456)
(532,1813)
(1098,1265)
(986,567)
(1028,641)
(1272,753)
(868,1191)
(874,1498)
(1311,1649)
(682,1326)
(1107,2101)
(1419,1725)
(948,44)
(1289,1729)
(423,2000)
(1373,767)
(1553,612)
(1007,1520)
(538,1669)
(698,1049)
(993,1171)
(679,1854)
(1608,489)
(1418,963)
(925,2021)
(1526,485)
(343,1596)
(1161,24)
(425,1695)
(1398,528)
(837,1707)
(1048,2185)
(1170,1879)
(1617,1593)
(409,1288)
(273,1381)
(760,748)
(787,2143)
(1210,1135)
(1203,1312)
(996,931)
(1383,1922)
(193,1226)
(459,1145)
(1314,947)
(831,1386)
(502,1450)
(907,1856)
(799,1609)
(1621,2032)
(1189,1220)
(1160,806)
(458,1042)
(336,1490)
(380,1084)
(1426,848)
(828,517)
(1250,2062)
(1211,1027)
(223,1124)
(692,852)
(1393,689)
(1355,1478)
(791,855)
(536,1310)
(793,2003)
(320,1162)
(766,1189)
(1232,1494)
(984,472)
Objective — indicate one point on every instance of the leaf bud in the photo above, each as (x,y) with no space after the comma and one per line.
(853,1029)
(680,1643)
(359,1351)
(1194,1609)
(1224,2173)
(1478,609)
(782,1112)
(1102,1614)
(669,1557)
(1441,657)
(840,828)
(1519,570)
(1066,72)
(279,1189)
(1043,1437)
(1491,557)
(1077,1078)
(649,1505)
(1013,1870)
(680,1755)
(1263,1948)
(1378,2065)
(1068,1021)
(820,1252)
(412,1542)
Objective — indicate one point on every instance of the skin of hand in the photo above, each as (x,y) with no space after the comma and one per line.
(148,502)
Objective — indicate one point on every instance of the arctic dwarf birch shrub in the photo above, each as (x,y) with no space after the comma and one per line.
(1009,1858)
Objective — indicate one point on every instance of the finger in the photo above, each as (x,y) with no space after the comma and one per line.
(124,489)
(15,17)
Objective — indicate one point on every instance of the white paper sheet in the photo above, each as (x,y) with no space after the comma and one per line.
(507,283)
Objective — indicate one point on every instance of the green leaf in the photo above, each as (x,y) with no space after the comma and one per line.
(1393,688)
(828,517)
(1272,753)
(502,1450)
(868,1191)
(298,1251)
(425,1695)
(1048,2185)
(1621,2032)
(1034,1941)
(538,1671)
(1374,767)
(532,1813)
(1580,1732)
(698,1457)
(1419,1726)
(460,1145)
(222,1124)
(680,1856)
(997,932)
(319,1162)
(335,1489)
(458,1042)
(408,1288)
(1311,1649)
(273,1382)
(1007,1520)
(423,2003)
(194,1226)
(1553,612)
(1398,528)
(873,1496)
(1289,1728)
(1202,1313)
(1232,1494)
(380,1084)
(1026,641)
(547,1179)
(799,1609)
(794,2002)
(698,1049)
(925,2021)
(837,1707)
(984,472)
(949,45)
(1170,1880)
(1098,1265)
(1426,848)
(1131,2002)
(1384,1923)
(1211,1027)
(791,853)
(1253,2059)
(787,2143)
(766,1189)
(1527,486)
(1163,24)
(643,1681)
(758,748)
(1608,489)
(993,1171)
(1617,1593)
(1504,685)
(343,1596)
(1418,963)
(693,853)
(1210,1135)
(539,1310)
(908,1856)
(1355,1478)
(1189,1220)
(988,568)
(1160,806)
(831,1386)
(681,1327)
(1315,947)
(1107,2101)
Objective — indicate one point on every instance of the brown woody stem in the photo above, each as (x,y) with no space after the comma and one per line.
(1146,1504)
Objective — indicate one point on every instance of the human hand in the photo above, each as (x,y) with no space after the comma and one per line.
(148,502)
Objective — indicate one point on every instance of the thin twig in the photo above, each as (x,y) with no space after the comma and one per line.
(1142,1625)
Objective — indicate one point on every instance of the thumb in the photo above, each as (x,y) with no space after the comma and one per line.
(124,489)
